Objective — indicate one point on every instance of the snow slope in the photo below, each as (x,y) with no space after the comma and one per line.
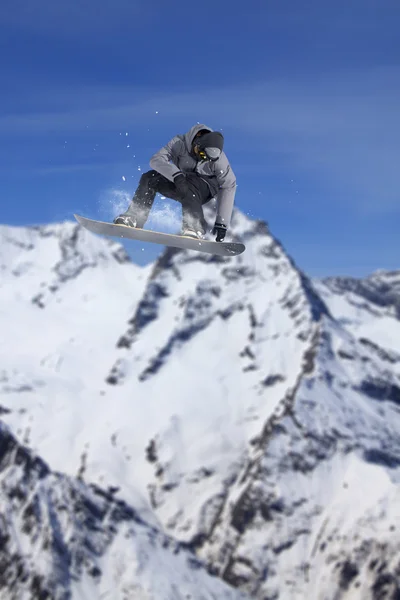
(63,539)
(238,407)
(65,295)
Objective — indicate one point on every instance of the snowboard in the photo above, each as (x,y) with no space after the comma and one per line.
(156,237)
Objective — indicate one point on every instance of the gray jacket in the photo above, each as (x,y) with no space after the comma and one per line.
(177,156)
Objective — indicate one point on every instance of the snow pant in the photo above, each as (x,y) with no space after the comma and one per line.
(153,182)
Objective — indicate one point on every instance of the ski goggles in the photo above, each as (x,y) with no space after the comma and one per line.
(212,154)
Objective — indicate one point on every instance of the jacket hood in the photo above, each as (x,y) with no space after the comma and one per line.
(189,136)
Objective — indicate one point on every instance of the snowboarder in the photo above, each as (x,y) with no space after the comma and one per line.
(192,169)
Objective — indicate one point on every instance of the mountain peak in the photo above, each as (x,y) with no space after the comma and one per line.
(381,289)
(63,239)
(205,288)
(49,256)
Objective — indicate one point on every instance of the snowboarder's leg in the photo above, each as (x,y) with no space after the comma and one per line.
(192,205)
(138,211)
(192,212)
(152,183)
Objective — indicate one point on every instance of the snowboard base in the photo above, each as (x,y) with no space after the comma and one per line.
(156,237)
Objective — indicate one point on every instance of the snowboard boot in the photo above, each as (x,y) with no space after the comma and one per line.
(125,220)
(192,232)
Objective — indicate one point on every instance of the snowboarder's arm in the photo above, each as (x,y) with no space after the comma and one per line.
(226,192)
(165,160)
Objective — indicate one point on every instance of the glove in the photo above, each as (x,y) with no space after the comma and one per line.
(219,230)
(181,185)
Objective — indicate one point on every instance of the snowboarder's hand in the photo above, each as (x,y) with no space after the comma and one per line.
(181,185)
(219,230)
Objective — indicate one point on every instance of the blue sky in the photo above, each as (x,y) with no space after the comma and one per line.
(306,93)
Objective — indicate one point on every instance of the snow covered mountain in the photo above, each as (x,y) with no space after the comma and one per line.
(368,307)
(239,408)
(63,539)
